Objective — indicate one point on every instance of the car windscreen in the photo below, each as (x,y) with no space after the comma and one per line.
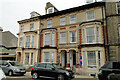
(15,64)
(107,65)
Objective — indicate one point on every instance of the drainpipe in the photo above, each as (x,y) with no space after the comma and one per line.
(107,55)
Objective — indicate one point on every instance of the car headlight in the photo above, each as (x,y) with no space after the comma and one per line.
(67,73)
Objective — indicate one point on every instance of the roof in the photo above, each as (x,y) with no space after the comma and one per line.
(70,10)
(9,39)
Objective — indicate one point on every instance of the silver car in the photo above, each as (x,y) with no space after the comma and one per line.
(12,68)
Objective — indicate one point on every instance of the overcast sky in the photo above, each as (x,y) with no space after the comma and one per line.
(12,11)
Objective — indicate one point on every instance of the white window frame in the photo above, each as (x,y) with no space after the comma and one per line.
(63,21)
(50,9)
(117,8)
(71,36)
(49,23)
(72,19)
(90,16)
(62,39)
(22,28)
(92,65)
(47,39)
(31,27)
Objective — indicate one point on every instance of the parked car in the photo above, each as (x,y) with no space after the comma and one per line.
(12,68)
(2,75)
(52,71)
(108,69)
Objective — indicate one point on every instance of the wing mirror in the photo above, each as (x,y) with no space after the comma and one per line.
(53,68)
(7,65)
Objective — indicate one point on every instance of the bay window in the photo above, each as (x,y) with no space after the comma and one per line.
(91,56)
(91,35)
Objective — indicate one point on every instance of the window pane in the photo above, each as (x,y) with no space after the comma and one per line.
(31,58)
(63,21)
(49,66)
(97,35)
(49,23)
(22,28)
(90,15)
(72,19)
(118,7)
(91,59)
(53,39)
(46,57)
(31,27)
(63,37)
(52,57)
(119,30)
(28,42)
(32,41)
(26,58)
(20,43)
(47,39)
(99,58)
(73,36)
(90,35)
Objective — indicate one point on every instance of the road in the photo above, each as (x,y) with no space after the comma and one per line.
(27,76)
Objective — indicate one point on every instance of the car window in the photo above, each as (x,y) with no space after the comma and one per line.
(116,65)
(49,66)
(107,65)
(41,65)
(5,63)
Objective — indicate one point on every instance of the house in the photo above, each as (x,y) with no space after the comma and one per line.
(8,45)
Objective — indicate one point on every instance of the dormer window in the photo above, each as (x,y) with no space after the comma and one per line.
(50,10)
(33,14)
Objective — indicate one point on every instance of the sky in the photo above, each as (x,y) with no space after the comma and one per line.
(12,11)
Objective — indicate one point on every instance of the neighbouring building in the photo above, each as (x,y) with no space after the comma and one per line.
(8,45)
(113,30)
(28,40)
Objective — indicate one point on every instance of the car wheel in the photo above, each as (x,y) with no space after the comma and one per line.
(10,73)
(110,75)
(35,75)
(60,77)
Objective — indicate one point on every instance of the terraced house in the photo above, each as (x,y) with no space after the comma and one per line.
(65,36)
